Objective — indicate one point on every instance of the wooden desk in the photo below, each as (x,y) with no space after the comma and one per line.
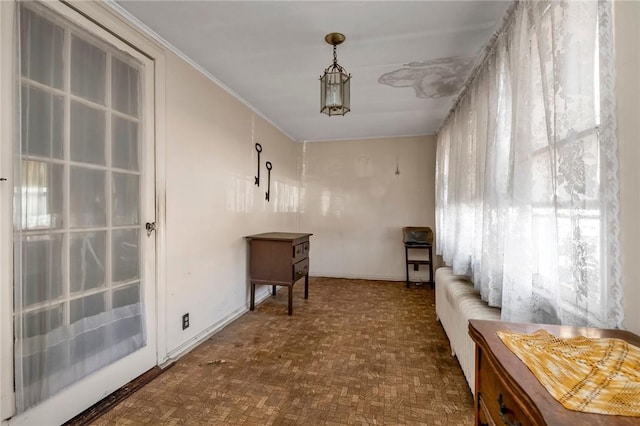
(279,258)
(508,393)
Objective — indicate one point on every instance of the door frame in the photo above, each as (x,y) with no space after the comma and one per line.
(7,106)
(104,21)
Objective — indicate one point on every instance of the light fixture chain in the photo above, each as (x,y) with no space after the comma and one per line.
(335,55)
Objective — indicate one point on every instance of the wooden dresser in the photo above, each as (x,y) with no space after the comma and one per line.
(278,258)
(507,393)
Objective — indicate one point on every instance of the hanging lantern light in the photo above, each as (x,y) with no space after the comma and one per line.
(335,84)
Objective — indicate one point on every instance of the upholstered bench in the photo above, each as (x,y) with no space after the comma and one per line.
(456,303)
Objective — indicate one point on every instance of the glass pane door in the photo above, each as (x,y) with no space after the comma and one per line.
(78,240)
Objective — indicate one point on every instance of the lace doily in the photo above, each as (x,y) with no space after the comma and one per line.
(588,375)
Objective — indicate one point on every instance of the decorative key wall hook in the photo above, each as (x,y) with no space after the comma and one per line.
(259,150)
(269,166)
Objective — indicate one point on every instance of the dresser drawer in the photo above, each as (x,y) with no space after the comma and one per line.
(484,418)
(300,251)
(497,401)
(300,269)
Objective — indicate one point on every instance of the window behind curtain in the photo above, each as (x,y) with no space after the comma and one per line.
(527,200)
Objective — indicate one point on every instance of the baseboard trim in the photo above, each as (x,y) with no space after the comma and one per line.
(362,277)
(190,344)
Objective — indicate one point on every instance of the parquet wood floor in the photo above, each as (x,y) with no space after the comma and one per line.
(356,352)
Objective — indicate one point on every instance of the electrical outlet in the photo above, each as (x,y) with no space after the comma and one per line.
(185,321)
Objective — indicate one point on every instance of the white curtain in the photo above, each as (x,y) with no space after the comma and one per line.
(527,175)
(77,284)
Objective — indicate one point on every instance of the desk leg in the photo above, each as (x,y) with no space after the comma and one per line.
(273,290)
(306,286)
(253,296)
(291,299)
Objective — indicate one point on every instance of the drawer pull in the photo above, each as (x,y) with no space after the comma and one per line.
(504,411)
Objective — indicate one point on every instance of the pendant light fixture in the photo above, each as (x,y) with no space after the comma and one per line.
(335,96)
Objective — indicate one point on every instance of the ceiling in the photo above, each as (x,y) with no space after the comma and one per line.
(408,59)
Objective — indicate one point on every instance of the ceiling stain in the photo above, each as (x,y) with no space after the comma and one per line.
(435,78)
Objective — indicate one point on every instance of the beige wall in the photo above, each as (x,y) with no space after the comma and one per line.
(355,204)
(211,199)
(627,40)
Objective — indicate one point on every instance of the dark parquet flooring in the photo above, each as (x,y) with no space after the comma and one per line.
(356,352)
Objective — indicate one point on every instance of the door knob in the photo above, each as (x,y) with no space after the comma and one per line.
(150,227)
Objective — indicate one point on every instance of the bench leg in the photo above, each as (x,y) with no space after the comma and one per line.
(273,290)
(291,299)
(306,286)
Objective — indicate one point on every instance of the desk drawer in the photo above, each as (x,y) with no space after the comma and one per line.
(300,269)
(300,251)
(497,400)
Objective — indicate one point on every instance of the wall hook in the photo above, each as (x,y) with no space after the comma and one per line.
(259,150)
(269,166)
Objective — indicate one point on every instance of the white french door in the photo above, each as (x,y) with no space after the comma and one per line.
(84,282)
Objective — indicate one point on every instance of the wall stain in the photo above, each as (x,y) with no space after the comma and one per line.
(435,78)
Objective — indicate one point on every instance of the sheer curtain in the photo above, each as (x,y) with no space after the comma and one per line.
(527,190)
(77,284)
